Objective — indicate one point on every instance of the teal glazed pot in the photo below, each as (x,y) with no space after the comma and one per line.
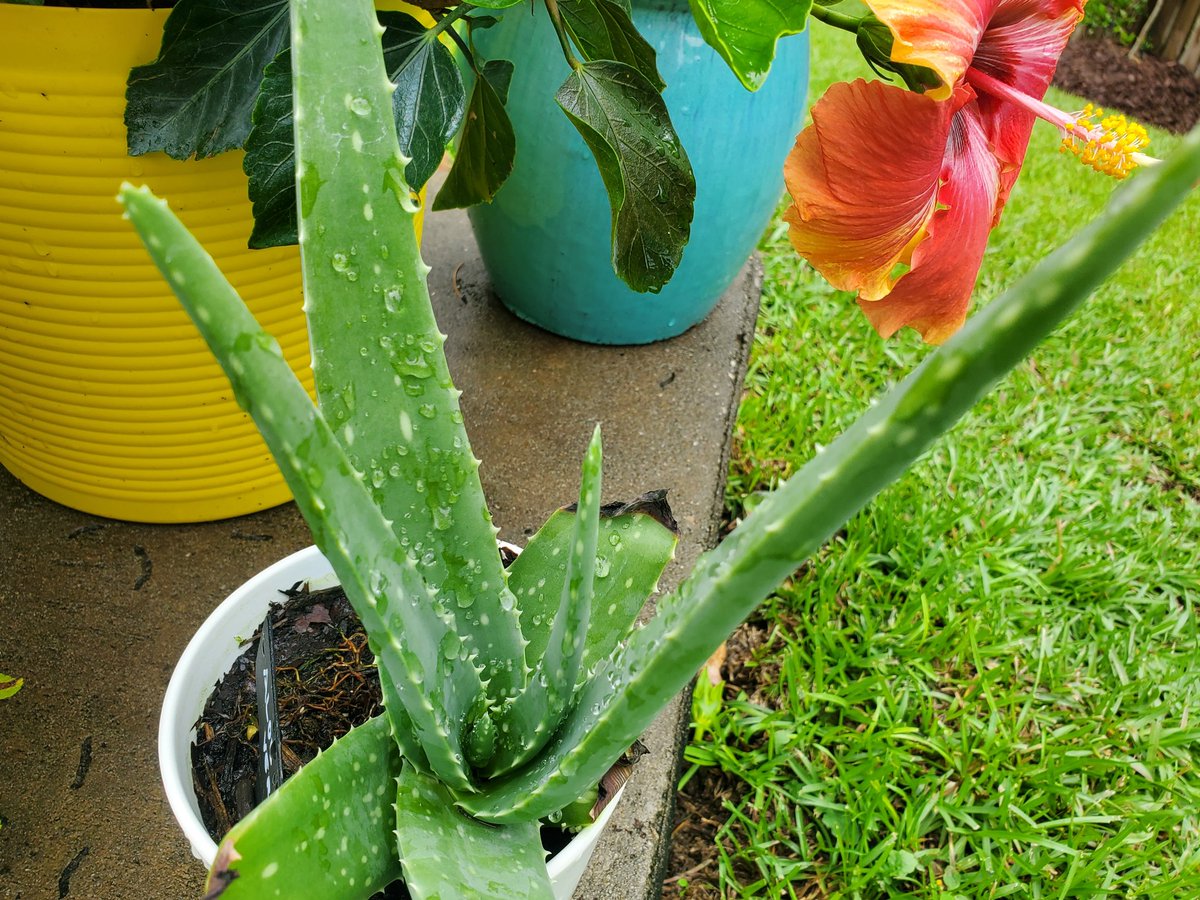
(545,239)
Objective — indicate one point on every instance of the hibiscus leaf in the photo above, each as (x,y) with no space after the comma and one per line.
(649,180)
(428,106)
(430,97)
(487,147)
(270,160)
(603,29)
(197,97)
(744,32)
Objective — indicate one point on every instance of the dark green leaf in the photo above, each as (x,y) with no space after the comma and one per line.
(428,106)
(488,146)
(744,32)
(499,73)
(875,40)
(448,854)
(197,97)
(483,21)
(647,174)
(602,29)
(430,97)
(270,161)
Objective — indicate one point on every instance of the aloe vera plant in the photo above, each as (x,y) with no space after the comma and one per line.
(509,693)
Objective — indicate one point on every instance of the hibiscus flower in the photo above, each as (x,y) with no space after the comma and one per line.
(895,192)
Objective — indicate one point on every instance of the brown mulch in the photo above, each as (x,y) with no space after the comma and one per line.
(1150,90)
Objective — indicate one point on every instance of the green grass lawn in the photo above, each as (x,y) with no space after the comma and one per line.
(987,685)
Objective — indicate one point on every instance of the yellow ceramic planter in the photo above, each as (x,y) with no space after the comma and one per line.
(109,401)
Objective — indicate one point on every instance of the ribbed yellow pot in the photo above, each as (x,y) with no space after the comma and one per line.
(109,401)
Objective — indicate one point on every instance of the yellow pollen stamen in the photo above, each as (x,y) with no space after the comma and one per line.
(1112,146)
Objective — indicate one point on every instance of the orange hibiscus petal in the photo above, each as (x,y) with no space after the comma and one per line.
(864,182)
(935,295)
(938,34)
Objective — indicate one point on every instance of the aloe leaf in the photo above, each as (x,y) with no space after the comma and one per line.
(327,831)
(487,147)
(527,723)
(603,29)
(745,32)
(430,668)
(447,854)
(649,181)
(196,99)
(636,541)
(730,581)
(380,370)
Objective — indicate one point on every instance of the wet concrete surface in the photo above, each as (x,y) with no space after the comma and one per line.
(94,612)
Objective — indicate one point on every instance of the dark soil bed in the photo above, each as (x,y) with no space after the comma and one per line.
(1150,90)
(326,683)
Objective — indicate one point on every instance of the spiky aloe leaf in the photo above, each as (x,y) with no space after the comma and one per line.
(636,541)
(327,832)
(528,721)
(380,372)
(727,583)
(447,854)
(430,668)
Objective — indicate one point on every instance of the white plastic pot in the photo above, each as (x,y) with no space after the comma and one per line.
(209,655)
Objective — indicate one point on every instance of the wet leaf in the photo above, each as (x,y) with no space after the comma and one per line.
(646,173)
(488,146)
(430,98)
(448,854)
(196,99)
(744,32)
(603,29)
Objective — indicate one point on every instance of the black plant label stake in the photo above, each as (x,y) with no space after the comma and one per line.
(270,744)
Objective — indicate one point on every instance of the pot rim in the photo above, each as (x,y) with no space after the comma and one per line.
(208,656)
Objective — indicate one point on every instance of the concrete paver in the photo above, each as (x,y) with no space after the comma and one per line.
(96,640)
